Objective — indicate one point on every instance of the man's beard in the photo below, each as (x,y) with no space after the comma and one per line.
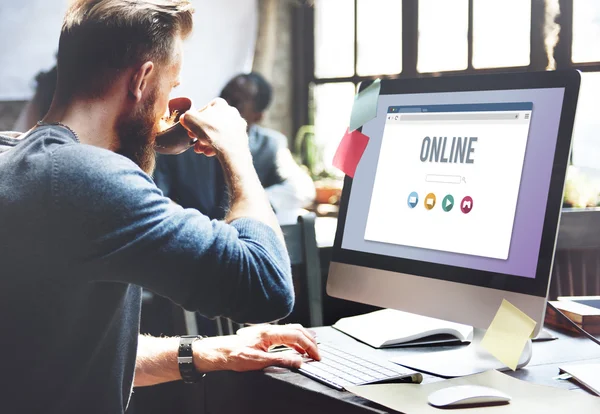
(137,134)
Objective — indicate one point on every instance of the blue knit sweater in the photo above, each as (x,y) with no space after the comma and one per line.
(82,229)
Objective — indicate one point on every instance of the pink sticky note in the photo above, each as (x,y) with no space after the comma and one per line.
(350,151)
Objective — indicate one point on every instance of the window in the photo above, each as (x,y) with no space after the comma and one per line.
(501,33)
(334,38)
(333,104)
(356,40)
(379,40)
(583,36)
(586,31)
(587,123)
(443,47)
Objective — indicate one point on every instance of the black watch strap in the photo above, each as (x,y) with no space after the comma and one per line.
(185,359)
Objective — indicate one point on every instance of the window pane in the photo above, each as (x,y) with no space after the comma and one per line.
(501,33)
(332,107)
(334,38)
(586,31)
(379,37)
(443,28)
(586,134)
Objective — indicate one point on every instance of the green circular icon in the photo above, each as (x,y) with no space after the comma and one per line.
(448,203)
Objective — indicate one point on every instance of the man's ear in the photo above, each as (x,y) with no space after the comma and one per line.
(139,80)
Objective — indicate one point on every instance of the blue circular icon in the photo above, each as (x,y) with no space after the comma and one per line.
(413,199)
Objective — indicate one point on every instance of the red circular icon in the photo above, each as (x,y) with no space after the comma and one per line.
(466,205)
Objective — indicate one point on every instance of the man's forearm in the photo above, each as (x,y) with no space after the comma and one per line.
(248,198)
(156,361)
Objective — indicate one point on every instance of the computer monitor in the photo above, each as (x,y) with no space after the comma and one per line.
(455,203)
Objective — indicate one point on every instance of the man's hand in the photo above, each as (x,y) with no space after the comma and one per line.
(219,128)
(221,131)
(248,350)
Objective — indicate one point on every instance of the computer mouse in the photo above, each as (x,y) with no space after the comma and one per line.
(464,395)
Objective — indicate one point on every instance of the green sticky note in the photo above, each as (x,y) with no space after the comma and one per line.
(365,105)
(508,333)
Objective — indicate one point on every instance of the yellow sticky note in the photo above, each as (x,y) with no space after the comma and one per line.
(508,333)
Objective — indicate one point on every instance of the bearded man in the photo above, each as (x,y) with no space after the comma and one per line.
(84,228)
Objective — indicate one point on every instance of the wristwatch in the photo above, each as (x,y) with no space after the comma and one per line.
(185,359)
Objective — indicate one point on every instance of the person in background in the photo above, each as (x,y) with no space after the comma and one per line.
(84,228)
(198,182)
(38,106)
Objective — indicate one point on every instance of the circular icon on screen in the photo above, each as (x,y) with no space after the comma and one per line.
(448,203)
(466,205)
(430,201)
(413,199)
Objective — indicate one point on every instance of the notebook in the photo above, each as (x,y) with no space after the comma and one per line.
(593,301)
(392,328)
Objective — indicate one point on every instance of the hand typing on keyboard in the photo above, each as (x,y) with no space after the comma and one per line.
(248,350)
(339,369)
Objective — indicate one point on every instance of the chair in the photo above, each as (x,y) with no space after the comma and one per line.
(301,242)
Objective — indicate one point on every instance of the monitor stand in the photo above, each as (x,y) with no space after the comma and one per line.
(459,362)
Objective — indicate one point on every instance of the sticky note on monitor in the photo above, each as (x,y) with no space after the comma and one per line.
(365,105)
(508,333)
(350,151)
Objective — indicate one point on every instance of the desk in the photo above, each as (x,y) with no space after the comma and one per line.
(282,391)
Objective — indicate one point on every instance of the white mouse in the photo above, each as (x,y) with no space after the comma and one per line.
(467,395)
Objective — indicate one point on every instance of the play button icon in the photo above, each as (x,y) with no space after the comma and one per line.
(448,203)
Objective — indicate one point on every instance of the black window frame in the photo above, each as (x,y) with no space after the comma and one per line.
(303,43)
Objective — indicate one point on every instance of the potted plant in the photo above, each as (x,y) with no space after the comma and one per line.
(328,182)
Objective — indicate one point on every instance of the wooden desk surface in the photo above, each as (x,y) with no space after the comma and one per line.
(283,391)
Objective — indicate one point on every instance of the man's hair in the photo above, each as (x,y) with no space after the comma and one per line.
(99,38)
(262,91)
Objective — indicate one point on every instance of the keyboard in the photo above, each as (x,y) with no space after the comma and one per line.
(340,369)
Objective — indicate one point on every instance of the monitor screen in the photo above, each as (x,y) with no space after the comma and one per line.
(459,179)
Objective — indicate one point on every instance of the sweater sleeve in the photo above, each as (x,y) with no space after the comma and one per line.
(121,228)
